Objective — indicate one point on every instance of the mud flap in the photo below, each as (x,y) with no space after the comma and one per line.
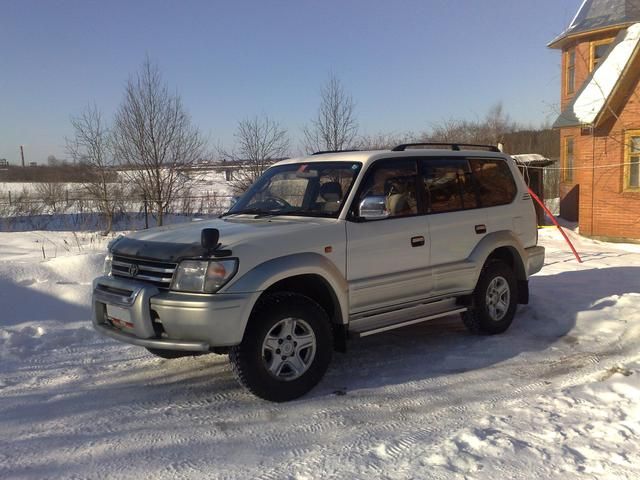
(523,292)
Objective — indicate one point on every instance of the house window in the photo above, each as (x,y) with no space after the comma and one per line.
(571,71)
(568,159)
(632,160)
(598,51)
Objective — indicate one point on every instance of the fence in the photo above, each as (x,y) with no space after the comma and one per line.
(72,210)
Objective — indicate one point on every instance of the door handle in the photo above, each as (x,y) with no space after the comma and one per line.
(481,229)
(417,241)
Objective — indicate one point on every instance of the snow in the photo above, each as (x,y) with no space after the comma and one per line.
(596,93)
(557,396)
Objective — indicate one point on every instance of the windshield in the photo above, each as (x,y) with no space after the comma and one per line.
(308,189)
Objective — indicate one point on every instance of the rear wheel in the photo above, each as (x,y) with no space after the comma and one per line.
(494,300)
(286,348)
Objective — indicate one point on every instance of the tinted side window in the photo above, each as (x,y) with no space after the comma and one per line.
(448,185)
(394,182)
(494,181)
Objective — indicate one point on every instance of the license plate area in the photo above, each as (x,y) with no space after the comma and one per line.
(119,317)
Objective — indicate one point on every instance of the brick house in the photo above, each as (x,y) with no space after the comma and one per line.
(600,120)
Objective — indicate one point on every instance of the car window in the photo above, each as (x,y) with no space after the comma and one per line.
(448,185)
(494,181)
(313,189)
(394,183)
(287,187)
(333,183)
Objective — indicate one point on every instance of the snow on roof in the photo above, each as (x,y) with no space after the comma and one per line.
(531,159)
(599,87)
(593,98)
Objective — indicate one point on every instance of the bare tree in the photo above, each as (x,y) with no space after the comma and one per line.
(93,147)
(491,130)
(383,141)
(496,125)
(154,138)
(52,195)
(259,142)
(335,126)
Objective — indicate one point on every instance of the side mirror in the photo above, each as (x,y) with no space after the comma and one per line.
(373,207)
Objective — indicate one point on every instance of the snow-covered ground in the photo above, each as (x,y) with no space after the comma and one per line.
(557,396)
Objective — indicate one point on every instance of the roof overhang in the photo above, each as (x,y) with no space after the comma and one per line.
(566,37)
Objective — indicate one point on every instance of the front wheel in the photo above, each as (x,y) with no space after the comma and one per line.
(494,300)
(286,348)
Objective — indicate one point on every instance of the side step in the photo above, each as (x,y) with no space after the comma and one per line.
(402,317)
(366,333)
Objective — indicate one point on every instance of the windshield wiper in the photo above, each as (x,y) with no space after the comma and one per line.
(259,213)
(302,213)
(246,211)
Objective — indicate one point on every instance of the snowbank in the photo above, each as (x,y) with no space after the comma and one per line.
(557,396)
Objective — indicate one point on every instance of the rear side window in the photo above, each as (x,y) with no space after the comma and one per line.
(493,180)
(448,185)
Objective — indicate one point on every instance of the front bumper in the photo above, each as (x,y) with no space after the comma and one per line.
(159,319)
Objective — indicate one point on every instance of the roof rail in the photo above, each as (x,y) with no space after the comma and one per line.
(335,151)
(453,146)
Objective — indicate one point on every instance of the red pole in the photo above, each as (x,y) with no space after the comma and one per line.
(553,219)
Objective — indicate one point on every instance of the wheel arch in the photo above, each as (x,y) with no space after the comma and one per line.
(502,245)
(309,274)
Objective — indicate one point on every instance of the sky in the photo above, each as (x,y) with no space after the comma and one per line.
(407,64)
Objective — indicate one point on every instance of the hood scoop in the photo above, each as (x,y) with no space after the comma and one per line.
(209,240)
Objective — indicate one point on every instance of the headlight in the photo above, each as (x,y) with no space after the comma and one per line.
(107,263)
(203,276)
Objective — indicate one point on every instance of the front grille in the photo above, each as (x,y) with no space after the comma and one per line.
(149,271)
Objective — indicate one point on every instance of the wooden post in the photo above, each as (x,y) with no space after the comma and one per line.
(146,214)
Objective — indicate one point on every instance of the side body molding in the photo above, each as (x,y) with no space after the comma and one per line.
(262,276)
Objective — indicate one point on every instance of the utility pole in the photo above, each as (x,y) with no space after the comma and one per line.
(22,155)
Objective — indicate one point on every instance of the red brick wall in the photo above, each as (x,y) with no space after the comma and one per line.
(605,210)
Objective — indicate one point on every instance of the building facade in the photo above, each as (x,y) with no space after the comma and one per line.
(600,119)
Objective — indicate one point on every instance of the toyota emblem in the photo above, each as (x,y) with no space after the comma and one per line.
(133,270)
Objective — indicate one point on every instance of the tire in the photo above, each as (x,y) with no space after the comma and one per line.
(171,354)
(495,300)
(286,348)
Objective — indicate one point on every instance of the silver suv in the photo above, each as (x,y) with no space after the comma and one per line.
(323,248)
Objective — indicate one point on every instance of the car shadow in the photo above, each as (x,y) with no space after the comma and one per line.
(443,346)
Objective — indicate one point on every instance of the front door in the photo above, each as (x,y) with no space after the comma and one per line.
(388,257)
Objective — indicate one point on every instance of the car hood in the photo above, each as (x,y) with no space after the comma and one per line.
(174,242)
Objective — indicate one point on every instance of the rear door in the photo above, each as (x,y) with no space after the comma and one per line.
(456,223)
(497,190)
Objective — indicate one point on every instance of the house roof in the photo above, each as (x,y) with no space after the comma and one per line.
(600,88)
(596,15)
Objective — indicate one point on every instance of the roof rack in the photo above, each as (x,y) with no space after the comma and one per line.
(453,146)
(335,151)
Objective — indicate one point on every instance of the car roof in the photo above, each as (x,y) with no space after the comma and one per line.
(366,157)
